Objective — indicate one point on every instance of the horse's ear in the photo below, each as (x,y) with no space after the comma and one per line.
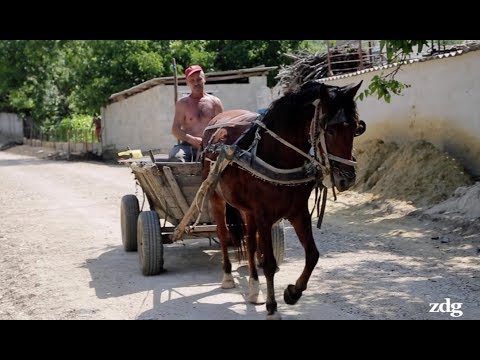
(351,90)
(312,91)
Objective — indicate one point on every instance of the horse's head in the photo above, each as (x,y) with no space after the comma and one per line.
(335,125)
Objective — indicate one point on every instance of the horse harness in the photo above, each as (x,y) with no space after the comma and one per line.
(317,168)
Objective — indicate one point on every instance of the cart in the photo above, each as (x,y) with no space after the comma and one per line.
(170,188)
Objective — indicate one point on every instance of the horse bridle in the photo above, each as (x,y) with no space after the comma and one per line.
(318,128)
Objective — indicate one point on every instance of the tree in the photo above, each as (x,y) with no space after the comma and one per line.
(32,78)
(109,66)
(237,54)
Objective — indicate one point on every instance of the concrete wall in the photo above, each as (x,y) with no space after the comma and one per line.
(11,125)
(144,121)
(442,106)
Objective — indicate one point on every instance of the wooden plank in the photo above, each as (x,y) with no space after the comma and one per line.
(181,169)
(165,199)
(156,191)
(189,181)
(160,192)
(203,191)
(176,189)
(190,192)
(140,168)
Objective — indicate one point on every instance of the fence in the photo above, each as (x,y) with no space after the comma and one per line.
(68,141)
(353,55)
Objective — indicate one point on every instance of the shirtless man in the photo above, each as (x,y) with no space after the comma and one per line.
(192,114)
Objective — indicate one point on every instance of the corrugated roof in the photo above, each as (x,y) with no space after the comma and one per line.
(211,76)
(475,46)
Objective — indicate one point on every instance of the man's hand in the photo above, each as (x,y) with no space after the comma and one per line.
(195,141)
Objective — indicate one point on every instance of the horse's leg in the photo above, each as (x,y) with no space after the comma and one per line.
(218,209)
(269,268)
(254,294)
(302,224)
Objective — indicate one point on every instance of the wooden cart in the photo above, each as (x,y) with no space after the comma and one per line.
(170,188)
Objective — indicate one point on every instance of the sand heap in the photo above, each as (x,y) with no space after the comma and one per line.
(464,204)
(415,171)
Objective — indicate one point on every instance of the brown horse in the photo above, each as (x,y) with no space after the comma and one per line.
(304,138)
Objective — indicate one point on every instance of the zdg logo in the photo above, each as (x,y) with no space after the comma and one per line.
(447,307)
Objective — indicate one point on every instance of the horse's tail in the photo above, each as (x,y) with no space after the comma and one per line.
(235,227)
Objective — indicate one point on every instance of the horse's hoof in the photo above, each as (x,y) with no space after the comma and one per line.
(228,282)
(255,295)
(290,296)
(275,316)
(256,299)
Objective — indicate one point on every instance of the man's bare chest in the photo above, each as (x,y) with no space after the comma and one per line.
(200,111)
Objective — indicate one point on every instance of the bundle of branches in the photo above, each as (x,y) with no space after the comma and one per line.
(304,67)
(307,66)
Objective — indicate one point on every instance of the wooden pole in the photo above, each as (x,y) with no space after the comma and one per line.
(175,83)
(329,61)
(175,86)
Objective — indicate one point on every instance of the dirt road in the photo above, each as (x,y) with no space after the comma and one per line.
(62,258)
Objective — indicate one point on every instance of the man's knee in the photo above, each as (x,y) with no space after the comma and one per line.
(181,153)
(176,154)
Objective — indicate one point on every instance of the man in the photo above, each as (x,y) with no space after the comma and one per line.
(97,121)
(192,114)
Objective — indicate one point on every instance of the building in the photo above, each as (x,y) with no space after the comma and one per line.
(440,106)
(141,117)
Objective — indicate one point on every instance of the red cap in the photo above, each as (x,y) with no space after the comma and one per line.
(192,69)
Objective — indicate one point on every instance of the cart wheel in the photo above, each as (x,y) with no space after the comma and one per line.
(278,241)
(128,218)
(278,244)
(150,246)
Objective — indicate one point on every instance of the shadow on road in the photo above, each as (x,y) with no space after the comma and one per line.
(188,290)
(361,274)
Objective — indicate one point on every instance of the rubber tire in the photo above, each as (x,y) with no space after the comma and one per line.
(150,246)
(278,242)
(129,211)
(278,245)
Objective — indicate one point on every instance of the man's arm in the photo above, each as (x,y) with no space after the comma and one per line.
(177,126)
(219,106)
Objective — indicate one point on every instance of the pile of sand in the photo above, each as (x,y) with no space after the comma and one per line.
(465,204)
(415,171)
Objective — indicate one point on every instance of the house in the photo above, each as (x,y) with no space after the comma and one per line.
(441,105)
(141,117)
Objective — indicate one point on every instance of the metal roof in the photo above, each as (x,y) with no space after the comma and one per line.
(468,47)
(211,76)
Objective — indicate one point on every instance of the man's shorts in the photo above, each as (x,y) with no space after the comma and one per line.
(183,152)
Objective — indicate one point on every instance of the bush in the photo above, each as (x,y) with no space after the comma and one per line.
(78,128)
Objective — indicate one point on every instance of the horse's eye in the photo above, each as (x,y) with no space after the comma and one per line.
(346,124)
(330,131)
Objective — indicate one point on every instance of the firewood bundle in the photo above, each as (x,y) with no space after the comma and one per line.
(307,66)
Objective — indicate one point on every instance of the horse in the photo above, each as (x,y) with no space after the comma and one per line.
(303,140)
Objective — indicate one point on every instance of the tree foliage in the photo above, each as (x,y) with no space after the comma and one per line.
(384,85)
(50,80)
(53,80)
(237,54)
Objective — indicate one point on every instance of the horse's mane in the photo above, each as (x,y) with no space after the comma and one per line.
(285,112)
(282,108)
(281,112)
